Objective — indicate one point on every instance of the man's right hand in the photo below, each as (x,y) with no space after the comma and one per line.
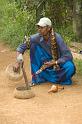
(16,67)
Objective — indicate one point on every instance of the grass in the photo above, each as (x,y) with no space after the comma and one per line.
(78,64)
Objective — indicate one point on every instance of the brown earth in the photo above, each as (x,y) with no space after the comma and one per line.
(64,107)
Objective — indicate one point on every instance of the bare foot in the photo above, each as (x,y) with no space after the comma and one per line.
(60,87)
(55,88)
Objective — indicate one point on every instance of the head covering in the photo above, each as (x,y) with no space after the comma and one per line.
(44,22)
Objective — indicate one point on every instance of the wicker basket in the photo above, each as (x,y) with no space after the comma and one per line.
(23,93)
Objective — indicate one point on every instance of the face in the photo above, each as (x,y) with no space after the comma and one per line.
(44,31)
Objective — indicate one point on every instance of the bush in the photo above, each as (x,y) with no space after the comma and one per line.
(15,24)
(67,33)
(78,64)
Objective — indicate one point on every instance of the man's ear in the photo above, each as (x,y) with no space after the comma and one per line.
(49,28)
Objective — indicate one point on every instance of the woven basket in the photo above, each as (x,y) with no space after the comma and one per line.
(23,93)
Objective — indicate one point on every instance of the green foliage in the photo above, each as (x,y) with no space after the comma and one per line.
(67,33)
(78,64)
(15,23)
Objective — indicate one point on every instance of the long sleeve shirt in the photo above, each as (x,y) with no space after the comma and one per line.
(64,53)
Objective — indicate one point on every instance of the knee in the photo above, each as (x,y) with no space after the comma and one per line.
(69,66)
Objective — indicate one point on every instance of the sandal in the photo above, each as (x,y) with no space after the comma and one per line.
(33,84)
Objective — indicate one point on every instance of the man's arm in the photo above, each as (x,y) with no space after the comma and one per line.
(64,51)
(20,50)
(24,46)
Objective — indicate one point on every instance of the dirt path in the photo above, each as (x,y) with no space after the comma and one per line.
(64,107)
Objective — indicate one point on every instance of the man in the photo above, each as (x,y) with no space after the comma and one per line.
(45,56)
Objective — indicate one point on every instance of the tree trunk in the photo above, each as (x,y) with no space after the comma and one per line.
(40,10)
(77,19)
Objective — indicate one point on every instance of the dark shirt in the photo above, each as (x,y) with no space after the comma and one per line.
(64,53)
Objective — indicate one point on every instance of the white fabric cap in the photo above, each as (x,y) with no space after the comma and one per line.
(44,22)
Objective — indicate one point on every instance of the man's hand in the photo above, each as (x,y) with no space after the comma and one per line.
(50,63)
(16,67)
(19,63)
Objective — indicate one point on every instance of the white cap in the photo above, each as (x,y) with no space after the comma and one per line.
(44,22)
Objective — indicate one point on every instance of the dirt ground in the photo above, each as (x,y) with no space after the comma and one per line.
(63,107)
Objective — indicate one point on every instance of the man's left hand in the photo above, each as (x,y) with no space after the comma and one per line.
(50,63)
